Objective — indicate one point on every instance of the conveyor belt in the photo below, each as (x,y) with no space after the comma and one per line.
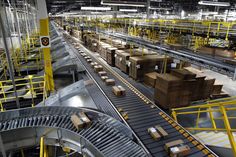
(104,137)
(144,114)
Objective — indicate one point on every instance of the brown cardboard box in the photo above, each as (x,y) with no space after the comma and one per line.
(207,88)
(217,89)
(118,90)
(161,131)
(172,144)
(89,60)
(230,61)
(102,73)
(98,68)
(87,57)
(180,151)
(175,46)
(197,91)
(104,78)
(111,55)
(103,51)
(121,60)
(78,123)
(84,118)
(93,64)
(110,82)
(172,99)
(167,83)
(207,51)
(183,74)
(150,79)
(140,65)
(224,53)
(153,132)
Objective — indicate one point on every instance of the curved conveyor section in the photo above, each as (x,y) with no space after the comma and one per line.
(104,137)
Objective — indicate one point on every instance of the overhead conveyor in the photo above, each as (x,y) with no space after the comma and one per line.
(142,112)
(104,137)
(214,64)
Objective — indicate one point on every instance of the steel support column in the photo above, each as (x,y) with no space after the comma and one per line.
(148,9)
(44,31)
(2,147)
(9,60)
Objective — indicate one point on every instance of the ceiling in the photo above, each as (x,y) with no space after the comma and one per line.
(55,6)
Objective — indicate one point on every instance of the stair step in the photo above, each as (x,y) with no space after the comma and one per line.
(219,139)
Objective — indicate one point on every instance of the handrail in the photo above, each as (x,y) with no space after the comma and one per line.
(31,86)
(216,106)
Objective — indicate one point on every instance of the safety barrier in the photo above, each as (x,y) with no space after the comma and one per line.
(220,106)
(29,87)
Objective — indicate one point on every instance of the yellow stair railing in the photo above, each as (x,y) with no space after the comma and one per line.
(29,87)
(220,106)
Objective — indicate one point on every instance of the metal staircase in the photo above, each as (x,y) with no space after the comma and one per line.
(213,124)
(217,141)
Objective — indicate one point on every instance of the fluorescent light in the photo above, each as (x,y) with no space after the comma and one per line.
(96,8)
(211,3)
(153,8)
(128,10)
(124,3)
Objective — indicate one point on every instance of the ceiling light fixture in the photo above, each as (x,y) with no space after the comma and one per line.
(96,8)
(152,8)
(211,3)
(128,10)
(124,3)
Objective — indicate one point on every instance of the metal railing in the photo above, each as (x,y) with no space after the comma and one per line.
(220,107)
(29,87)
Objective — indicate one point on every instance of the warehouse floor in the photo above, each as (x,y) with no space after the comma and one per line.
(229,86)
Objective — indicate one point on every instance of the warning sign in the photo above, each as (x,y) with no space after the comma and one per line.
(45,41)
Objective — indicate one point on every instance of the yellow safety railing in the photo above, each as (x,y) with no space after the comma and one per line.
(220,106)
(29,87)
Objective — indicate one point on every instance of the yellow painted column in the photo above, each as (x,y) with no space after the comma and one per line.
(44,31)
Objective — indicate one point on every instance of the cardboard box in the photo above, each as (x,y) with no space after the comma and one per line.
(175,46)
(207,88)
(98,68)
(206,51)
(104,78)
(93,64)
(161,131)
(140,65)
(110,82)
(172,144)
(102,73)
(111,56)
(217,89)
(89,60)
(118,90)
(153,132)
(172,99)
(167,83)
(150,79)
(183,74)
(180,151)
(197,91)
(84,118)
(121,61)
(224,53)
(78,123)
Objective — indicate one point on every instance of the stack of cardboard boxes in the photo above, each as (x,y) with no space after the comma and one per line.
(219,52)
(140,65)
(181,87)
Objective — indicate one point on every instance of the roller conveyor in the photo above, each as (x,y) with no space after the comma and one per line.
(104,137)
(144,114)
